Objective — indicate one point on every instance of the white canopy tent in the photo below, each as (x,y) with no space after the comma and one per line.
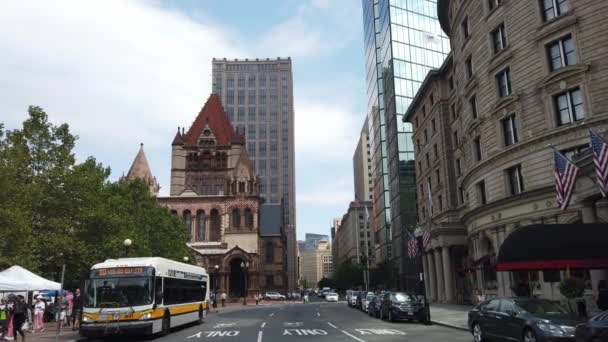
(17,278)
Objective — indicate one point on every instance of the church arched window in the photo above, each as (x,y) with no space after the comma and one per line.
(236,218)
(248,218)
(200,226)
(188,221)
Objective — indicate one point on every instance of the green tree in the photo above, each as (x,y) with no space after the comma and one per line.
(54,211)
(348,275)
(326,282)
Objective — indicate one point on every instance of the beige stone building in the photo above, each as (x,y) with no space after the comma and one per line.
(521,75)
(316,264)
(362,168)
(354,237)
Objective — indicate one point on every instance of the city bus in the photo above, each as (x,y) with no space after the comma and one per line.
(142,296)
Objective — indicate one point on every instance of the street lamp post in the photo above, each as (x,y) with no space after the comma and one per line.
(419,239)
(215,281)
(127,243)
(244,267)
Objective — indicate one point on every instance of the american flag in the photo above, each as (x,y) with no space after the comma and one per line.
(426,238)
(565,177)
(412,248)
(600,159)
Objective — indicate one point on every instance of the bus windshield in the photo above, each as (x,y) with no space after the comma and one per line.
(118,291)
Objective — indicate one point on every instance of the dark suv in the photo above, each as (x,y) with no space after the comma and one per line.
(402,306)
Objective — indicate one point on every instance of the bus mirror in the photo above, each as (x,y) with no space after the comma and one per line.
(154,306)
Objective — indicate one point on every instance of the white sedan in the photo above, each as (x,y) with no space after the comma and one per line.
(274,296)
(331,297)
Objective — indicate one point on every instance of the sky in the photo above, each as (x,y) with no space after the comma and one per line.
(124,72)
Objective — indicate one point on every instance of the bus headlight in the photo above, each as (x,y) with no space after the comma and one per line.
(86,319)
(145,317)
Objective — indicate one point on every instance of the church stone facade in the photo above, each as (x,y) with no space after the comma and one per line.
(214,190)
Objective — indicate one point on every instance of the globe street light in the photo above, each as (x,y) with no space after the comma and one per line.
(244,267)
(127,243)
(186,259)
(215,281)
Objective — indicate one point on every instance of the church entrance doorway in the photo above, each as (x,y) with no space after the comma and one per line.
(237,278)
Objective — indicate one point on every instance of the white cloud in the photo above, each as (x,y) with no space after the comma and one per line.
(334,193)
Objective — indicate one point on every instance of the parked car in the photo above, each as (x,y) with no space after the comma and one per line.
(349,295)
(360,298)
(353,298)
(521,318)
(373,305)
(331,297)
(402,306)
(274,296)
(367,300)
(594,330)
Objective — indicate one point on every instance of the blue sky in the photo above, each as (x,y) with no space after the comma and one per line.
(125,72)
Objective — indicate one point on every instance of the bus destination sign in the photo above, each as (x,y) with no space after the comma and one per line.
(121,271)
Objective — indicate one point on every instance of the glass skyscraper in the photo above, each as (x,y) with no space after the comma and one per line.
(257,95)
(403,41)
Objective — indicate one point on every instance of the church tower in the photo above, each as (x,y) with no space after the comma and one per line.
(141,169)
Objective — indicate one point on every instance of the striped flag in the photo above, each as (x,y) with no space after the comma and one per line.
(412,248)
(426,238)
(565,173)
(600,159)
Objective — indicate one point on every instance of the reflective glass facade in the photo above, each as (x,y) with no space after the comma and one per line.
(403,41)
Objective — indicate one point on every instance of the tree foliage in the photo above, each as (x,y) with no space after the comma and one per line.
(326,282)
(348,275)
(54,210)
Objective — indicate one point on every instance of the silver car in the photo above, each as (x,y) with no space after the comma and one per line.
(365,301)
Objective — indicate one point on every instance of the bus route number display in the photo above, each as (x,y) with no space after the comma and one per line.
(120,271)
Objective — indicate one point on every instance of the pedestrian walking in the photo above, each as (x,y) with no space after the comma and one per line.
(70,312)
(223,299)
(10,307)
(19,312)
(39,308)
(77,310)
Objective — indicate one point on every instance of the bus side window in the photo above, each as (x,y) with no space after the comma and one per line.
(158,287)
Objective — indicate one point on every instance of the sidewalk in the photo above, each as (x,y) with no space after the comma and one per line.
(50,333)
(450,315)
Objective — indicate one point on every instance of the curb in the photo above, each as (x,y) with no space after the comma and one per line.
(448,325)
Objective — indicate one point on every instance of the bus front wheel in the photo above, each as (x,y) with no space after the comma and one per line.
(166,324)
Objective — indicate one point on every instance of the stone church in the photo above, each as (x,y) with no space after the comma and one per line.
(214,190)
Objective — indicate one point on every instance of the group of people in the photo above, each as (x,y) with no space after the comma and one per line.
(16,315)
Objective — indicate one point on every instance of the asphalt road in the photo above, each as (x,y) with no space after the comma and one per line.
(314,322)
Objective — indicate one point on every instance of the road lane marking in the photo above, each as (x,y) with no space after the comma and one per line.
(260,333)
(380,332)
(355,337)
(224,325)
(263,324)
(304,332)
(292,324)
(216,333)
(272,314)
(331,325)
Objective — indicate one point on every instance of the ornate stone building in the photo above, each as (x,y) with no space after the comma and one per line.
(522,75)
(140,169)
(214,190)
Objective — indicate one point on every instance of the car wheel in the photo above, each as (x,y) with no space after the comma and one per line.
(166,324)
(478,333)
(529,336)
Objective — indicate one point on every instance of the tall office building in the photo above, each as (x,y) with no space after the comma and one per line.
(403,41)
(311,241)
(362,169)
(258,98)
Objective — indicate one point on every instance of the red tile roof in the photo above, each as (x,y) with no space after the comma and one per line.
(214,115)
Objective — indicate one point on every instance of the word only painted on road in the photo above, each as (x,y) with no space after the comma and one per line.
(215,333)
(304,332)
(379,332)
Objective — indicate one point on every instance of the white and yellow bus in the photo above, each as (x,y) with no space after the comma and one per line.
(143,296)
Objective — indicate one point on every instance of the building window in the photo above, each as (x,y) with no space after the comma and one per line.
(569,106)
(248,218)
(451,83)
(492,4)
(473,104)
(554,8)
(456,138)
(499,38)
(416,121)
(429,183)
(269,281)
(570,152)
(436,151)
(437,176)
(561,52)
(465,28)
(426,136)
(419,166)
(440,200)
(423,111)
(428,160)
(509,130)
(477,147)
(236,218)
(458,167)
(453,107)
(432,99)
(433,126)
(269,252)
(469,65)
(481,190)
(200,226)
(188,220)
(460,195)
(504,82)
(417,144)
(516,181)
